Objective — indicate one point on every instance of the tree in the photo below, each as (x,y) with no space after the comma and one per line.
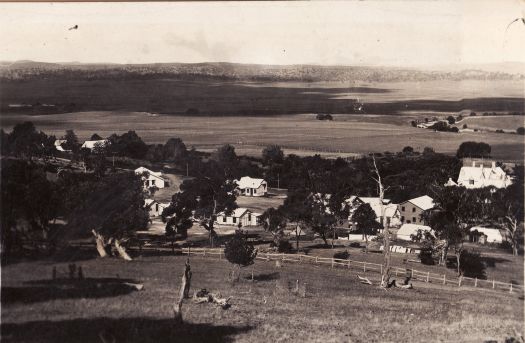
(321,219)
(465,126)
(111,208)
(202,198)
(365,217)
(508,204)
(428,150)
(174,150)
(239,252)
(227,159)
(456,210)
(128,144)
(95,137)
(473,149)
(26,196)
(71,142)
(408,150)
(451,120)
(26,142)
(274,221)
(520,130)
(272,154)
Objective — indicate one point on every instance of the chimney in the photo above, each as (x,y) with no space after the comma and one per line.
(473,163)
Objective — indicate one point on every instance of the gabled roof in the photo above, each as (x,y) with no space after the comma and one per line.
(237,213)
(141,170)
(411,229)
(248,182)
(91,144)
(450,182)
(424,202)
(479,173)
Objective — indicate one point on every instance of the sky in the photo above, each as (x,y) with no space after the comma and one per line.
(389,33)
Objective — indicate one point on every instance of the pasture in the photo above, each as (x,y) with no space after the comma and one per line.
(336,307)
(346,135)
(493,123)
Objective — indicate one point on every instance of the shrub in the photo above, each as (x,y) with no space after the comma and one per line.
(500,131)
(239,251)
(465,126)
(283,246)
(408,150)
(472,265)
(473,114)
(428,150)
(520,130)
(324,117)
(342,255)
(413,123)
(451,120)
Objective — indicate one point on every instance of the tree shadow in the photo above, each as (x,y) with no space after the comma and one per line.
(118,330)
(265,277)
(491,261)
(45,290)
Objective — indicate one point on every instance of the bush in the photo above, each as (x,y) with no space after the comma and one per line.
(500,131)
(239,251)
(472,265)
(443,126)
(520,130)
(355,245)
(473,114)
(451,120)
(428,150)
(324,117)
(465,126)
(426,256)
(342,255)
(283,246)
(408,150)
(413,123)
(473,149)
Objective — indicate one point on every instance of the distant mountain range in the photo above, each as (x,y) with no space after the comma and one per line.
(21,70)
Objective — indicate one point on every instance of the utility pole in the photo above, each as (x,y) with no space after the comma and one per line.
(187,170)
(278,181)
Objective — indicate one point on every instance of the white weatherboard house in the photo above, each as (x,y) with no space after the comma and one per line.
(392,215)
(412,209)
(252,187)
(406,230)
(152,179)
(58,144)
(491,235)
(92,144)
(239,215)
(480,176)
(155,207)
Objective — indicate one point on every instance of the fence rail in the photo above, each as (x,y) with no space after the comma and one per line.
(368,267)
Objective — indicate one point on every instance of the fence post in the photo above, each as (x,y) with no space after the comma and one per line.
(428,277)
(332,263)
(411,273)
(396,271)
(493,283)
(381,268)
(204,252)
(188,251)
(267,257)
(282,256)
(348,264)
(300,258)
(459,281)
(364,267)
(220,254)
(510,290)
(316,260)
(476,282)
(444,279)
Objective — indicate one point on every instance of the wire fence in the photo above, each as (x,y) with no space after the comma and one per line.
(367,267)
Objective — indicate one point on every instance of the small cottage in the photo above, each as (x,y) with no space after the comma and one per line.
(252,187)
(240,215)
(151,178)
(155,208)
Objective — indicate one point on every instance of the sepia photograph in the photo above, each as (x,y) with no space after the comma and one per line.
(282,171)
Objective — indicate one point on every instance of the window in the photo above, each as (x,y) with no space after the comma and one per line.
(402,219)
(224,219)
(249,217)
(157,207)
(402,208)
(254,191)
(471,182)
(413,209)
(234,220)
(153,182)
(414,219)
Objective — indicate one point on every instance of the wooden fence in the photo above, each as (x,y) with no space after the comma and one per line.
(367,267)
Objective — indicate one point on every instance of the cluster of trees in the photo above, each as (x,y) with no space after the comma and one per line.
(109,206)
(443,126)
(26,142)
(324,117)
(473,149)
(458,209)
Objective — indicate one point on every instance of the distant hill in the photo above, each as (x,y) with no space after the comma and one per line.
(22,70)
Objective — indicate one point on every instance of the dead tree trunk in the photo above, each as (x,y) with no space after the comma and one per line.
(121,250)
(385,275)
(101,244)
(183,292)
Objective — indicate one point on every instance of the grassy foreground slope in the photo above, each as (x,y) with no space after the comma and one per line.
(336,307)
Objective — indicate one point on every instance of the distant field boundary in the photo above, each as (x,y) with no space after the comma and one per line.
(368,267)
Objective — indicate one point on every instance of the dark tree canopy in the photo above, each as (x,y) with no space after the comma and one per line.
(112,205)
(520,130)
(365,217)
(473,149)
(25,141)
(128,144)
(272,154)
(96,137)
(239,251)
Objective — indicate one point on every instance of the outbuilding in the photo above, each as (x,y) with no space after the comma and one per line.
(407,230)
(240,215)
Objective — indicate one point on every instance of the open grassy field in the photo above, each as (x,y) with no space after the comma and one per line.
(336,308)
(493,123)
(346,135)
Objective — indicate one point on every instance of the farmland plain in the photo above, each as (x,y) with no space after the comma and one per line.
(345,135)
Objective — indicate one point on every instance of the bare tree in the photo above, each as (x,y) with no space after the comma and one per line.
(385,275)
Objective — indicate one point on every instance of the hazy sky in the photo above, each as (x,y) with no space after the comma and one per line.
(402,33)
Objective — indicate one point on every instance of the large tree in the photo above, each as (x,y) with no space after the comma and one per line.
(274,221)
(204,197)
(111,208)
(26,142)
(365,218)
(508,204)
